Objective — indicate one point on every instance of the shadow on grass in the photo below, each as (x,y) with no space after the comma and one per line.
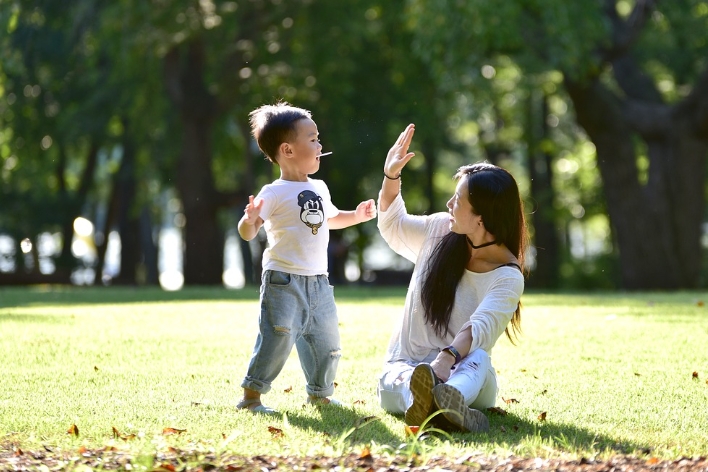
(345,428)
(71,295)
(511,430)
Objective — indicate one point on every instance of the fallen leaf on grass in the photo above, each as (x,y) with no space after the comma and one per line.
(18,451)
(652,461)
(365,420)
(637,374)
(542,416)
(73,430)
(411,430)
(125,437)
(289,389)
(277,433)
(95,368)
(365,453)
(360,402)
(168,431)
(166,466)
(700,303)
(695,375)
(497,410)
(510,400)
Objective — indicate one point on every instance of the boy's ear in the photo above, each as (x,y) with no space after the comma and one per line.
(285,149)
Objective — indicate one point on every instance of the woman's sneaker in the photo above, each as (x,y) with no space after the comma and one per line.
(455,414)
(423,380)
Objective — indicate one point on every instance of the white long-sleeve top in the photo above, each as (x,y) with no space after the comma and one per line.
(484,302)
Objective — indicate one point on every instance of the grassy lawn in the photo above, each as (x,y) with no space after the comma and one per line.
(143,370)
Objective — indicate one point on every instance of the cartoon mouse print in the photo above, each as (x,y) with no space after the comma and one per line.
(312,211)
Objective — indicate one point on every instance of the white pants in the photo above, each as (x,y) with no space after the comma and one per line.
(474,377)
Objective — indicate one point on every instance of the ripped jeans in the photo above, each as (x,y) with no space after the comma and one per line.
(474,377)
(296,310)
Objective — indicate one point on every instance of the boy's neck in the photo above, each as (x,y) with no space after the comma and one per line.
(293,176)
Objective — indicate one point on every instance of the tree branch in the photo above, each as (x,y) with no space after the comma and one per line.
(625,33)
(696,106)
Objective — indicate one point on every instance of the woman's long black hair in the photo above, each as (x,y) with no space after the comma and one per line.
(494,196)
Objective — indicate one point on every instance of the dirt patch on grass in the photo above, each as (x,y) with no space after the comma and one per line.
(15,459)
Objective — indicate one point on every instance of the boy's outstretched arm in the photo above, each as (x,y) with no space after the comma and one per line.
(365,211)
(251,221)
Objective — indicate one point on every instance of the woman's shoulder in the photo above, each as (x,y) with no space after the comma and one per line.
(508,275)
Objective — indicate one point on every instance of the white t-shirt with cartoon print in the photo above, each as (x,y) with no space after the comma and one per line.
(295,218)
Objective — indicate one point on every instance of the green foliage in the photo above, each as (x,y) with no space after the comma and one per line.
(538,35)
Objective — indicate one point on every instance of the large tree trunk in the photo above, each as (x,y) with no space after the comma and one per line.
(657,224)
(204,239)
(546,241)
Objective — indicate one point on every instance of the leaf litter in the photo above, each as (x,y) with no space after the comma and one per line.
(110,458)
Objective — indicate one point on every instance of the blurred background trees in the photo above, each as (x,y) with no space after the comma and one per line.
(125,154)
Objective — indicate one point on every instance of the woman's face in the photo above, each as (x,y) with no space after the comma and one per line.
(462,219)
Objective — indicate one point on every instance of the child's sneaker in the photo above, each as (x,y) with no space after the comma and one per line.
(260,408)
(323,401)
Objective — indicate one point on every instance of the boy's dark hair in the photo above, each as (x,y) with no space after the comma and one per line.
(273,125)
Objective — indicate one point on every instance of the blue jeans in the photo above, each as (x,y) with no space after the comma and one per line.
(296,310)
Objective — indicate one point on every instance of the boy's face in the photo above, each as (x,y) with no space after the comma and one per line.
(303,153)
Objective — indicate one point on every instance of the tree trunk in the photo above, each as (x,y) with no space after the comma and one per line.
(657,224)
(204,239)
(73,203)
(546,241)
(126,216)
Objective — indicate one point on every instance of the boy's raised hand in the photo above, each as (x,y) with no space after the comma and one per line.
(253,210)
(398,156)
(366,211)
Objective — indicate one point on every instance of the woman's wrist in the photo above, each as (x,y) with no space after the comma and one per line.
(390,177)
(453,353)
(446,359)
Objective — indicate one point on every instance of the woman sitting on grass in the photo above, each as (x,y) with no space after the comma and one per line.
(464,292)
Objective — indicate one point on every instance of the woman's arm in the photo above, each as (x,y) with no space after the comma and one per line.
(442,365)
(397,158)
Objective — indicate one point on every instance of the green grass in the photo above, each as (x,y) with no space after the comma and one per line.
(612,372)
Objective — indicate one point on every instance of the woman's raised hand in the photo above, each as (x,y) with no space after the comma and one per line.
(398,156)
